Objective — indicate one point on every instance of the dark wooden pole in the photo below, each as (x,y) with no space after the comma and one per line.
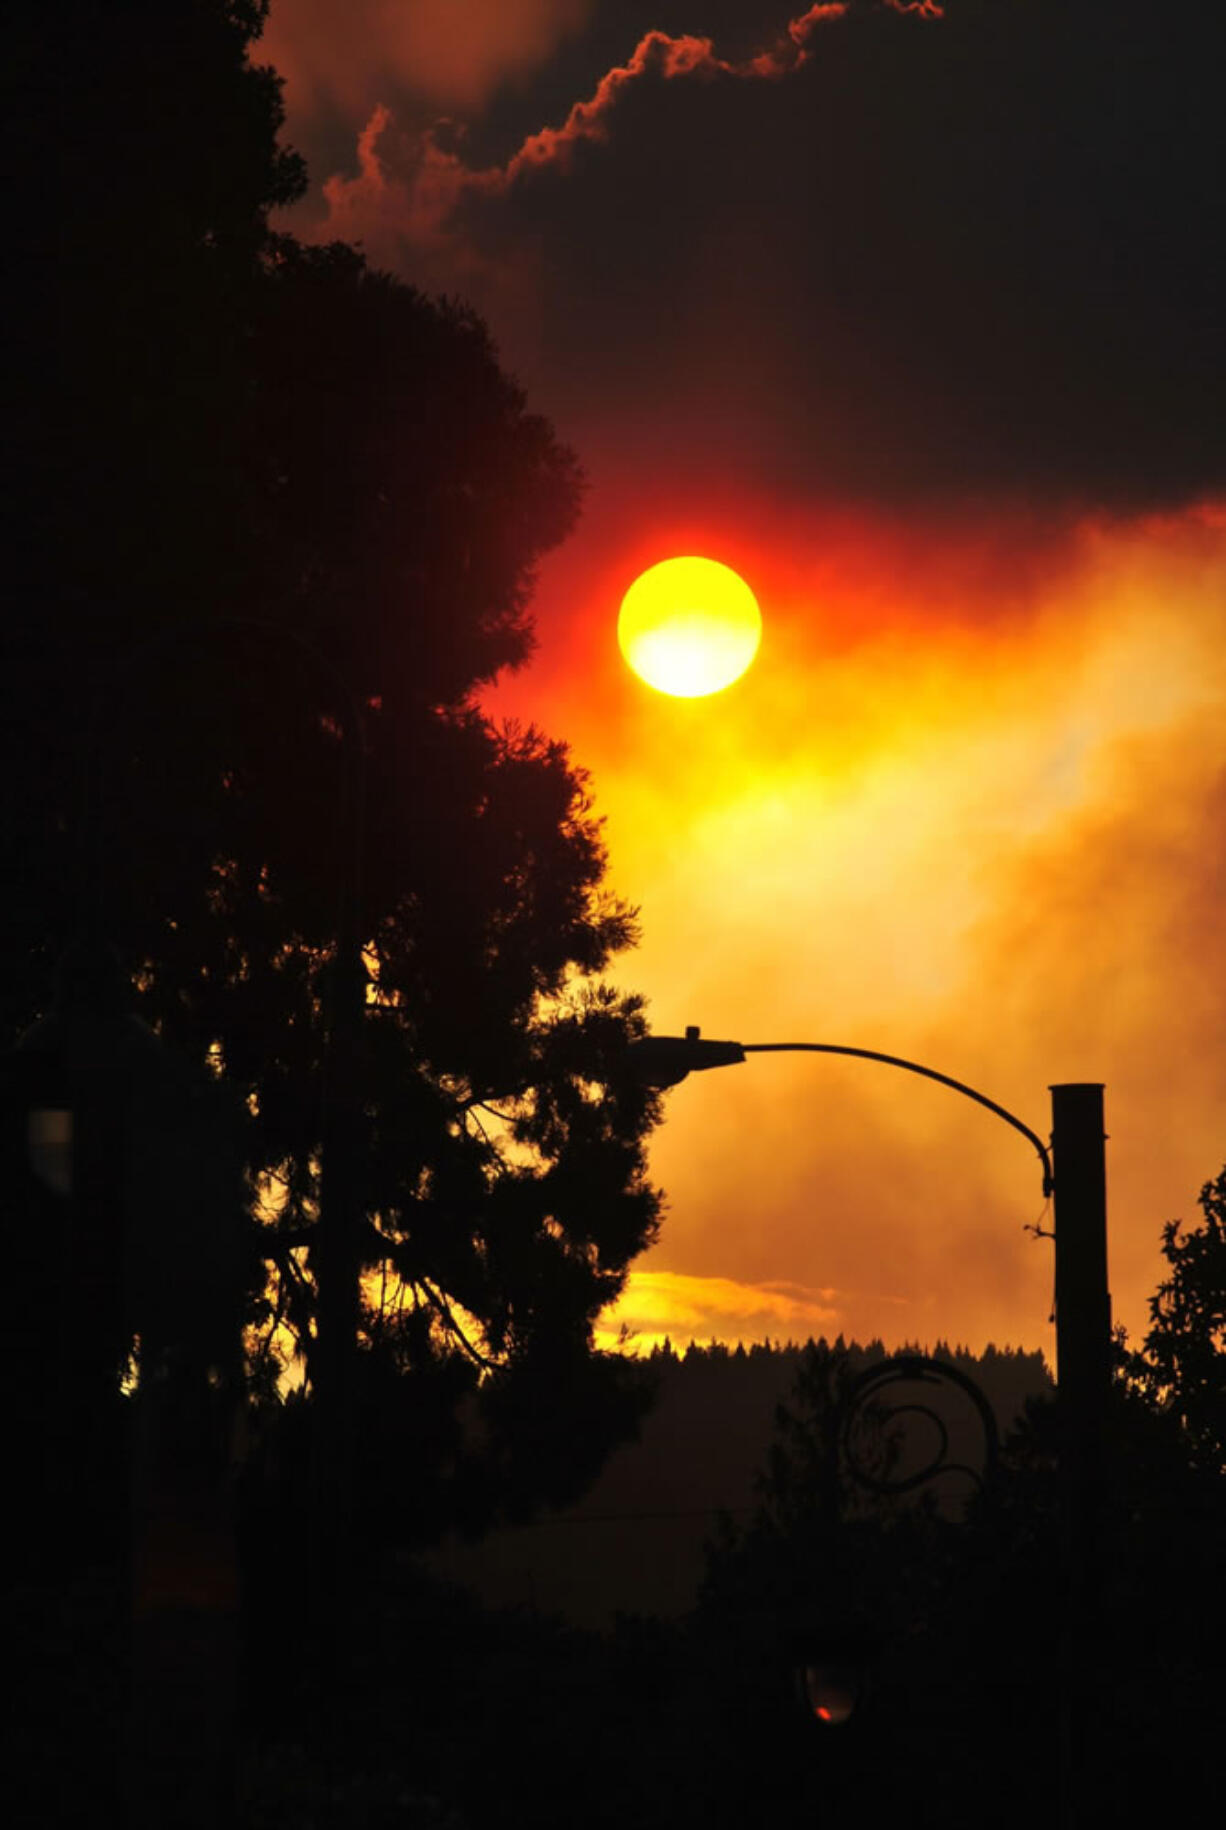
(1083,1373)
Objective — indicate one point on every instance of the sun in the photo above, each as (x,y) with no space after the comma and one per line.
(689,626)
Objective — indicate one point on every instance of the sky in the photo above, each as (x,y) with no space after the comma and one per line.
(913,316)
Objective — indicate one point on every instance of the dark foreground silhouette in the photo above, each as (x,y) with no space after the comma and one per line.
(442,1712)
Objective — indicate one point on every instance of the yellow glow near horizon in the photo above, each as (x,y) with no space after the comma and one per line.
(689,626)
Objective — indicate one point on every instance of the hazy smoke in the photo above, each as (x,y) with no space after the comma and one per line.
(409,186)
(346,59)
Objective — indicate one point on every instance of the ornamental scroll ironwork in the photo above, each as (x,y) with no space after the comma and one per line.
(870,1396)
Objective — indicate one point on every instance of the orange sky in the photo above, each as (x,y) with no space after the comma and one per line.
(987,842)
(900,312)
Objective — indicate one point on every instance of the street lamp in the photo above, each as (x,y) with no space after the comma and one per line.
(1074,1177)
(830,1685)
(344,999)
(124,1198)
(130,1157)
(144,1146)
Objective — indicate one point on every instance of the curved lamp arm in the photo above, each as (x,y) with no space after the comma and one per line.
(663,1061)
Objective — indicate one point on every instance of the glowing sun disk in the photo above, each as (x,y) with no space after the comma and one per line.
(689,626)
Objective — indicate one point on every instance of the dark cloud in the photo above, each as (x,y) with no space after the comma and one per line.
(885,255)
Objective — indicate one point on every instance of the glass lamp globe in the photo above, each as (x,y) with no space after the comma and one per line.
(830,1691)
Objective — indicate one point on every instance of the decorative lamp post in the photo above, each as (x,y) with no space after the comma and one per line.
(1074,1177)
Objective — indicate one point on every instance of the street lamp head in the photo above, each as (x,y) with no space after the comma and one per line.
(830,1690)
(49,1146)
(88,1029)
(831,1660)
(663,1061)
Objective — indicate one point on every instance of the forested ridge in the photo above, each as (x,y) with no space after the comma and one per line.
(636,1539)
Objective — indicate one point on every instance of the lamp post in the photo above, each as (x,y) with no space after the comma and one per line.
(343,1005)
(124,1191)
(1074,1177)
(131,1158)
(344,995)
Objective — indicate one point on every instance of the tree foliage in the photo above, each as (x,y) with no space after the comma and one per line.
(961,1625)
(1181,1367)
(286,529)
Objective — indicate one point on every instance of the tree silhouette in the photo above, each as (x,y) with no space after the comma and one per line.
(1181,1366)
(962,1621)
(160,137)
(286,529)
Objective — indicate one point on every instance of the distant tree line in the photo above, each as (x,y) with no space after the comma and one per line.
(1009,1376)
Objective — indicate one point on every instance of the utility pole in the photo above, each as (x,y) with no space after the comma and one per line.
(1083,1383)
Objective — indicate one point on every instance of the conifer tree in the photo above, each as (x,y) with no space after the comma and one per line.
(285,534)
